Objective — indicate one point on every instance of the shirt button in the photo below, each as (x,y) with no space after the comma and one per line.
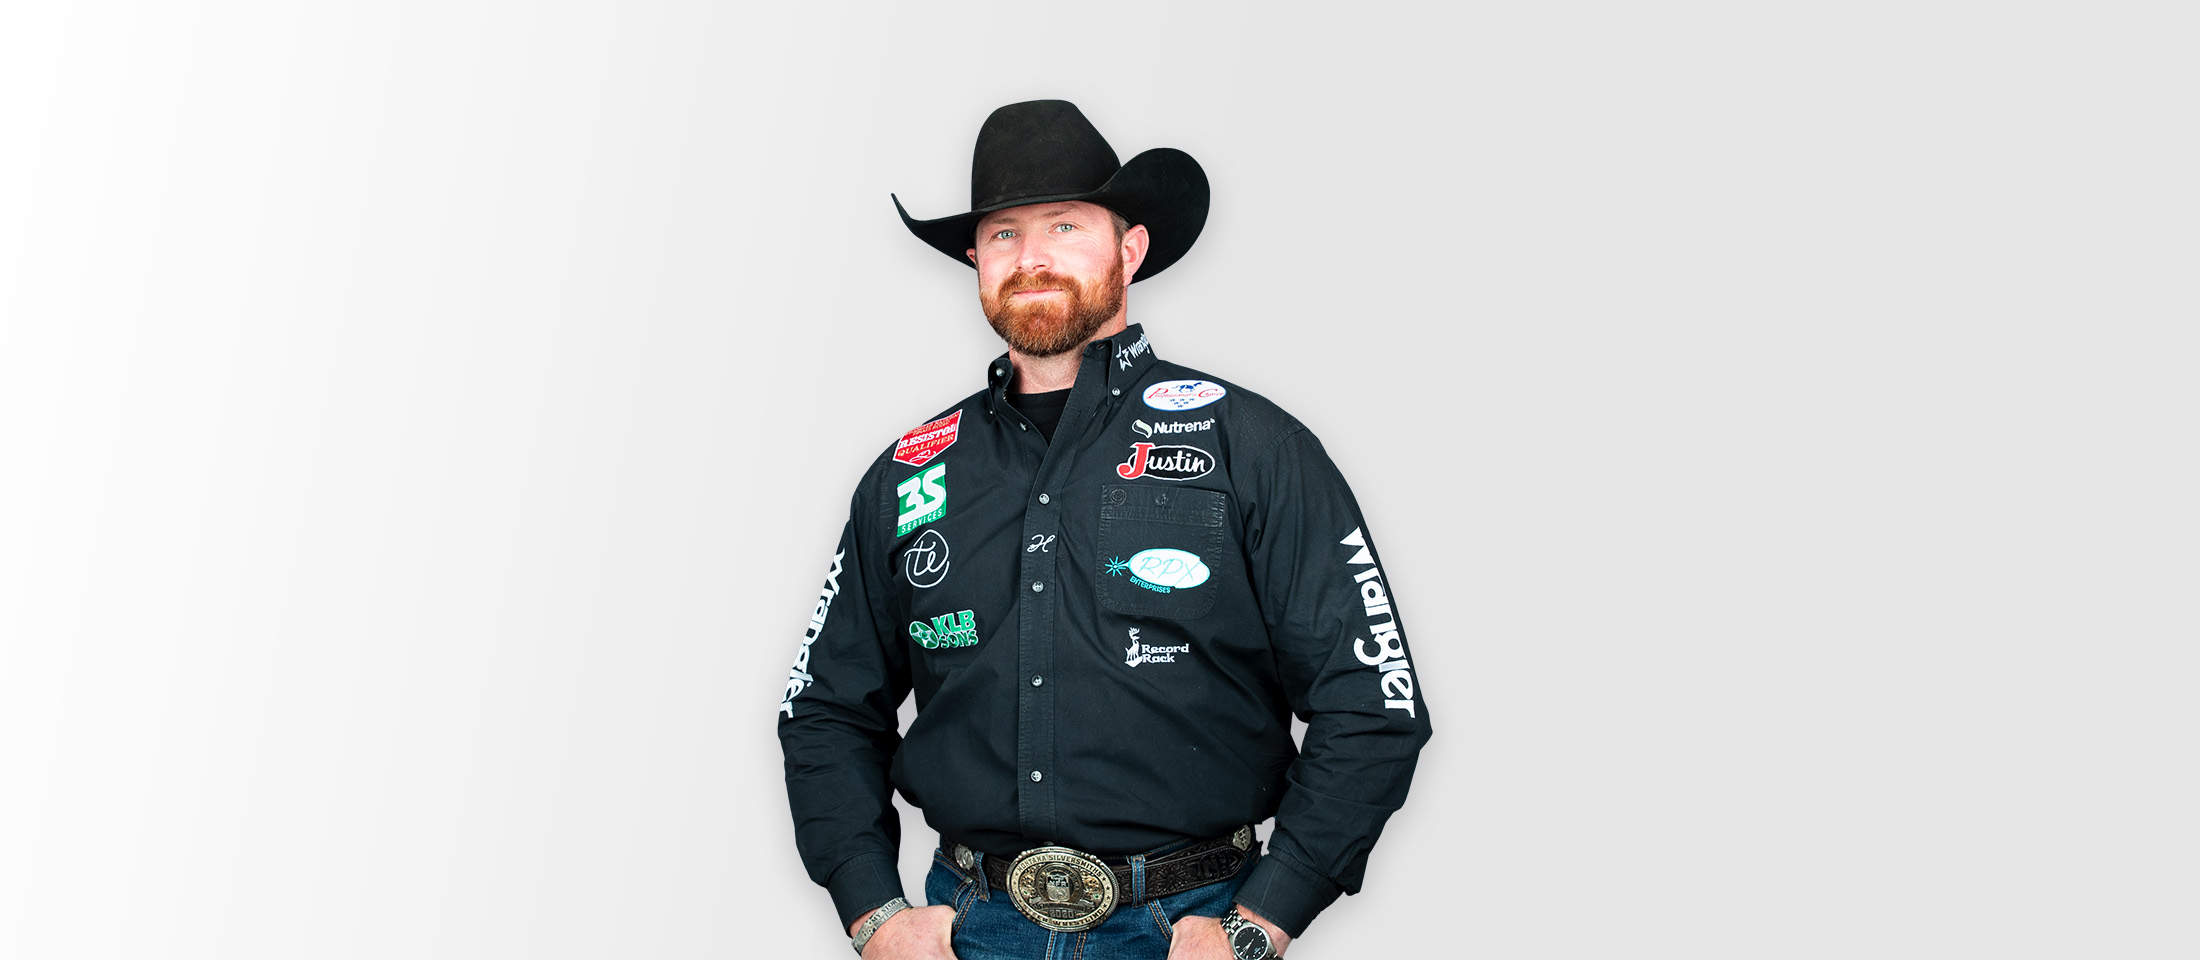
(1035,776)
(1037,587)
(1117,392)
(1042,498)
(1035,681)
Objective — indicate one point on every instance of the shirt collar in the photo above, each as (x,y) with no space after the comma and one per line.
(1118,361)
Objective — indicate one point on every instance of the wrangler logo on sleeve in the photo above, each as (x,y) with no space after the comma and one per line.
(798,676)
(1384,649)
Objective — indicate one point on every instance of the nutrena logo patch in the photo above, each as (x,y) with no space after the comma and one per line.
(917,447)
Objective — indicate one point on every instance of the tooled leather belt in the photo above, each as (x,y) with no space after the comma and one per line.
(1059,887)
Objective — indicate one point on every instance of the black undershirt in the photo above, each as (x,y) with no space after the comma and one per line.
(1044,410)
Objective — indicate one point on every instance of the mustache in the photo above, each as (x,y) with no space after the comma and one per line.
(1020,281)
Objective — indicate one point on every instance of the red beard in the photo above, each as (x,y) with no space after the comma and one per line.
(1045,328)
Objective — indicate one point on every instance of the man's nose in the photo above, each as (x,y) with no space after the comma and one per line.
(1031,255)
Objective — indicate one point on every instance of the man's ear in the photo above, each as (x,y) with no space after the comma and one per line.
(1133,250)
(972,253)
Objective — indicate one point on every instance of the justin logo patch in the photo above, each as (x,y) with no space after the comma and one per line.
(1166,462)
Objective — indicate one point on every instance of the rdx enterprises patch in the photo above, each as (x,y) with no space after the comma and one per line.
(1161,569)
(958,629)
(917,447)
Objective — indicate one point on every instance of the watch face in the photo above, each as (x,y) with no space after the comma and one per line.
(1249,942)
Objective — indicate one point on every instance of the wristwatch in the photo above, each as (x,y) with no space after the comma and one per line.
(876,920)
(1248,940)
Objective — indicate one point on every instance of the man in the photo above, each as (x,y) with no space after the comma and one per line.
(1110,581)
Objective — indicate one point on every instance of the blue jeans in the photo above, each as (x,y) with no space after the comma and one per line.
(989,927)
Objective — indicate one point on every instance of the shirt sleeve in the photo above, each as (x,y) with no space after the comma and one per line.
(1341,652)
(838,728)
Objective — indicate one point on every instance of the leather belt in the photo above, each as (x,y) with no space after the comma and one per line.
(1070,890)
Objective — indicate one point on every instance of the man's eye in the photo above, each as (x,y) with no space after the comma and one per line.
(1003,234)
(1064,227)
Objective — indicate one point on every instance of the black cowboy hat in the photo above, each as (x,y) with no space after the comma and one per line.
(1045,151)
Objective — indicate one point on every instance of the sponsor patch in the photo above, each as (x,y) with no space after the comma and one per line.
(917,447)
(1145,429)
(958,629)
(1161,569)
(1168,462)
(923,498)
(1183,394)
(924,560)
(1151,652)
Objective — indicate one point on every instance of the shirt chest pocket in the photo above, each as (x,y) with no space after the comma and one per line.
(1161,550)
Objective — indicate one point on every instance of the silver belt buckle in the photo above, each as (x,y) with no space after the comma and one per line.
(1061,889)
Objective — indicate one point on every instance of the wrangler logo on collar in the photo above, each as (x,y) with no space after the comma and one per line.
(1123,355)
(923,498)
(958,629)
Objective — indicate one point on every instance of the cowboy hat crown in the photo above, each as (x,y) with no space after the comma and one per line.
(1045,151)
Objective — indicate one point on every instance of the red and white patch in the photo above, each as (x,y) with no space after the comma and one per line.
(917,447)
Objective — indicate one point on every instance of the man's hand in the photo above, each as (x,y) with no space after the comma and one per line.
(918,933)
(1200,938)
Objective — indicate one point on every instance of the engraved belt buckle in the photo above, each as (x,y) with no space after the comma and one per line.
(1061,889)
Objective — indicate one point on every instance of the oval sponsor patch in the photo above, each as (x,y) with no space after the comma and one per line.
(1168,567)
(1183,394)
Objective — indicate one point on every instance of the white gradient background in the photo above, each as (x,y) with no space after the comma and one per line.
(422,423)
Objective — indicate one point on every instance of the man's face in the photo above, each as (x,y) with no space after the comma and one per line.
(1050,275)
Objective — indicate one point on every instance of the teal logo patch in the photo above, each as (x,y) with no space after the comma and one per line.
(1161,569)
(959,629)
(923,498)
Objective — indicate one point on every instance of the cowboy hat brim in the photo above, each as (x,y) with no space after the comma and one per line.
(1163,188)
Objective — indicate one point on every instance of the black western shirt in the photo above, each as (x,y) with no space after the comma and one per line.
(1107,636)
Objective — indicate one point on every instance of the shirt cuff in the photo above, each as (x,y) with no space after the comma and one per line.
(861,885)
(1285,895)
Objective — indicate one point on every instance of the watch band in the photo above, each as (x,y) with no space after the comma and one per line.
(1233,922)
(877,919)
